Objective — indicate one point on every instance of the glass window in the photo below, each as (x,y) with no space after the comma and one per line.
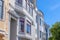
(31,1)
(19,2)
(40,21)
(19,38)
(26,4)
(1,9)
(22,24)
(36,31)
(37,18)
(28,27)
(31,11)
(40,34)
(28,8)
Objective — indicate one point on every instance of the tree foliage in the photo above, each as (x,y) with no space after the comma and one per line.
(55,31)
(50,38)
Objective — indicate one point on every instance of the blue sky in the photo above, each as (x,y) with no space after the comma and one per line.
(51,10)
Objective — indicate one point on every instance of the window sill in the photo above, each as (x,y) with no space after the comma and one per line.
(21,33)
(29,33)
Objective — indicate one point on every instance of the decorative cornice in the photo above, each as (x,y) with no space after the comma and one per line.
(3,32)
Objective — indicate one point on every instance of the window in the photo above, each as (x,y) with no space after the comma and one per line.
(19,38)
(26,4)
(31,11)
(29,7)
(1,9)
(19,2)
(40,21)
(28,27)
(22,24)
(40,34)
(37,19)
(31,1)
(36,31)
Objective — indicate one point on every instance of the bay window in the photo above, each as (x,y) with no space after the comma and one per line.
(1,9)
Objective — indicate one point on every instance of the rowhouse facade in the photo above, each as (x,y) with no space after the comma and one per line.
(4,19)
(19,20)
(22,12)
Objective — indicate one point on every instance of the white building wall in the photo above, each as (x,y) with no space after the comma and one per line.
(24,3)
(33,32)
(31,19)
(35,24)
(12,2)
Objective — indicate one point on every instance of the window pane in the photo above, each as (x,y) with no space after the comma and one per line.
(19,38)
(37,18)
(20,1)
(31,11)
(28,28)
(0,3)
(22,24)
(40,21)
(31,1)
(1,9)
(27,7)
(40,34)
